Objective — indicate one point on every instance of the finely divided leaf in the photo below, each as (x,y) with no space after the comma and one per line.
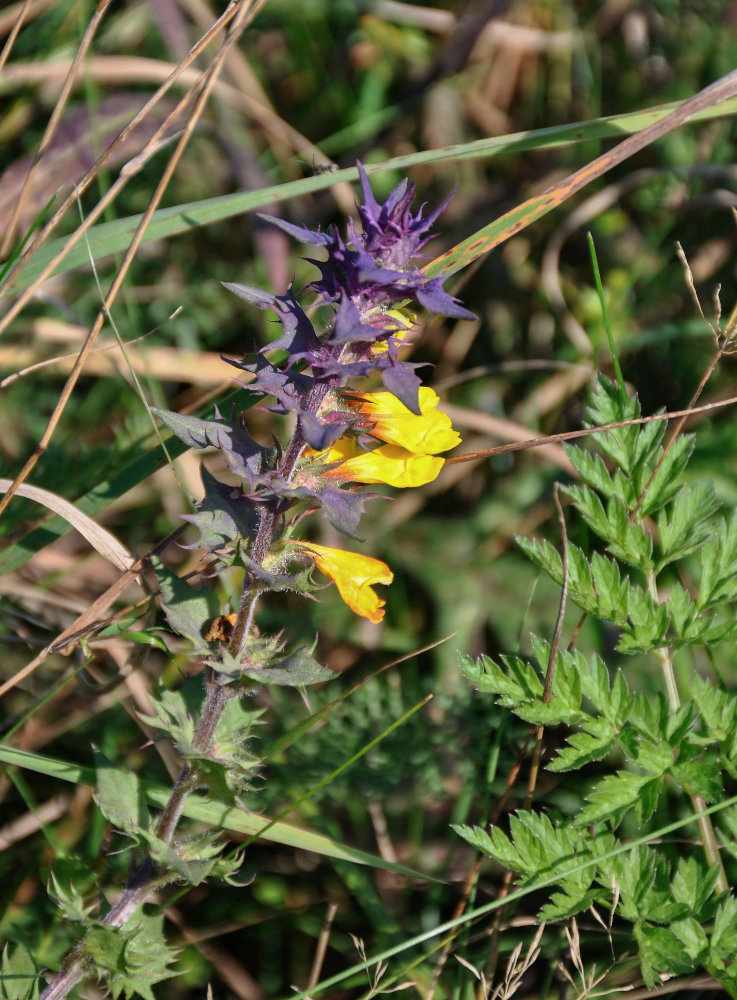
(718,577)
(661,953)
(693,884)
(685,524)
(665,484)
(611,798)
(585,747)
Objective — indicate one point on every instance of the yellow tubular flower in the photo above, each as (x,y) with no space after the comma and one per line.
(388,464)
(354,575)
(426,434)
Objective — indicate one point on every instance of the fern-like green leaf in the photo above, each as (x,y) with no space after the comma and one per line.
(585,747)
(718,571)
(665,483)
(686,523)
(693,886)
(614,795)
(611,589)
(661,953)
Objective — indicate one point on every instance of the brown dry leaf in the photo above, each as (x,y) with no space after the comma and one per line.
(100,538)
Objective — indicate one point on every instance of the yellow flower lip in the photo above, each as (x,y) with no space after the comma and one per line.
(389,464)
(354,575)
(426,433)
(409,457)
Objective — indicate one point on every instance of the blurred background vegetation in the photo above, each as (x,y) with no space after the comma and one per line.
(368,79)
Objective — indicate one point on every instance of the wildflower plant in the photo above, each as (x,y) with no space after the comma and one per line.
(664,584)
(344,434)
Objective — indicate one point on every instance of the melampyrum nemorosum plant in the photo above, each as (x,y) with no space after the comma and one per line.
(343,436)
(666,586)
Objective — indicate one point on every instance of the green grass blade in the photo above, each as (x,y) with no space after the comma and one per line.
(109,238)
(214,813)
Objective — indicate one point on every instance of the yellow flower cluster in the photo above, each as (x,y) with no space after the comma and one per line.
(409,458)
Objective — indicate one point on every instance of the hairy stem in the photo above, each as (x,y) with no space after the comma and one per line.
(145,878)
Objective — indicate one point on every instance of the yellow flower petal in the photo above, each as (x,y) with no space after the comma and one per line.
(427,433)
(388,464)
(402,318)
(353,575)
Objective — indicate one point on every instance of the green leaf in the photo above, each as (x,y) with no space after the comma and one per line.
(70,879)
(542,553)
(700,777)
(228,768)
(625,539)
(496,845)
(717,706)
(118,796)
(175,713)
(642,876)
(607,407)
(681,610)
(645,453)
(650,716)
(18,975)
(595,682)
(725,974)
(133,958)
(649,623)
(581,588)
(188,611)
(684,526)
(591,469)
(723,941)
(620,702)
(299,669)
(718,576)
(661,953)
(564,905)
(566,687)
(647,802)
(588,504)
(693,885)
(665,482)
(654,756)
(611,589)
(583,748)
(680,723)
(611,798)
(519,685)
(191,860)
